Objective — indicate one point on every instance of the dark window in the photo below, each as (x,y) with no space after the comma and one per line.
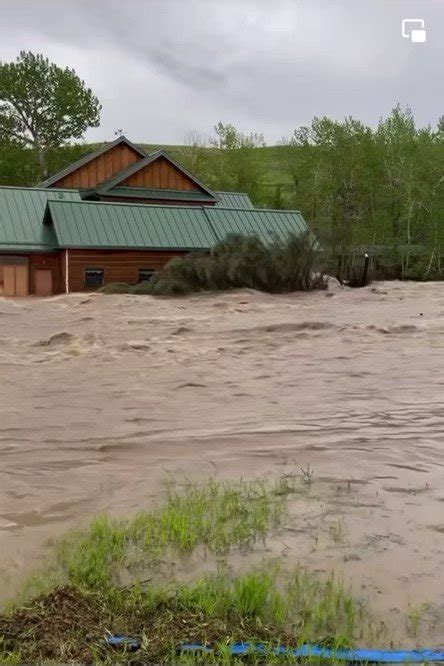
(94,277)
(146,274)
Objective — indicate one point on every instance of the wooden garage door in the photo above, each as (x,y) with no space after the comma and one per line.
(43,281)
(15,280)
(21,281)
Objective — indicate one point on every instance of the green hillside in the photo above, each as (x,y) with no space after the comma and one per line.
(271,160)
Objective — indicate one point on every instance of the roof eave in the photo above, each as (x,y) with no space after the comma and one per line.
(27,249)
(155,198)
(141,248)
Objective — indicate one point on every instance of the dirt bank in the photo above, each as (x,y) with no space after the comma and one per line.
(101,396)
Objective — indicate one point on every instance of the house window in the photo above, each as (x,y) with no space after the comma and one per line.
(146,274)
(94,277)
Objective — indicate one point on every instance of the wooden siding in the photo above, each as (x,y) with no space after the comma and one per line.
(100,169)
(52,261)
(33,262)
(160,174)
(117,265)
(15,280)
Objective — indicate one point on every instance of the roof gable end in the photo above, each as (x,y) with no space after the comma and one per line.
(131,175)
(83,161)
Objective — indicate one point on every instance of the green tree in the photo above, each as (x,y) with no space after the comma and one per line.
(194,154)
(17,165)
(330,166)
(397,141)
(235,162)
(412,171)
(278,201)
(43,106)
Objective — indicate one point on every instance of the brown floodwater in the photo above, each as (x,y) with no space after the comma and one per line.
(102,396)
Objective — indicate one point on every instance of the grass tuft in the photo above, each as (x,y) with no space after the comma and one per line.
(215,515)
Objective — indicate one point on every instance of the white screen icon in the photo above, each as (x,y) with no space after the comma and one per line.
(416,34)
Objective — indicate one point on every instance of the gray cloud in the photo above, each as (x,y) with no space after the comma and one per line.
(162,68)
(192,74)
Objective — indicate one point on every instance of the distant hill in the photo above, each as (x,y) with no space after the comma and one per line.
(272,157)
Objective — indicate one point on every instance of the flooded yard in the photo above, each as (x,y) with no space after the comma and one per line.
(103,397)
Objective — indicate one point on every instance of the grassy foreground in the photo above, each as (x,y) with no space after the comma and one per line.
(79,598)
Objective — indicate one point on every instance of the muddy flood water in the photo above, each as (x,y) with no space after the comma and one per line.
(102,396)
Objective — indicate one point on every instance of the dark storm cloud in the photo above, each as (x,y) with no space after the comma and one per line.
(164,68)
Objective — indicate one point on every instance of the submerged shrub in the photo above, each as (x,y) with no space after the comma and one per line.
(236,262)
(115,288)
(141,288)
(243,261)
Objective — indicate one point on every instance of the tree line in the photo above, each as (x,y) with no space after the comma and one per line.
(359,187)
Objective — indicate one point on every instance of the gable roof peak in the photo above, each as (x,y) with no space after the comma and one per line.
(103,148)
(159,153)
(141,164)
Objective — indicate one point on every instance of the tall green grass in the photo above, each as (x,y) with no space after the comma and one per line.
(215,515)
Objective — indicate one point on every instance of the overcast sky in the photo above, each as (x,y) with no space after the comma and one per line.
(162,68)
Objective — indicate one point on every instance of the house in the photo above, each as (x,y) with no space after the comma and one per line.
(118,215)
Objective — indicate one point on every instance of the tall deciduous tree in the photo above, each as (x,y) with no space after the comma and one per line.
(194,154)
(235,161)
(43,106)
(330,166)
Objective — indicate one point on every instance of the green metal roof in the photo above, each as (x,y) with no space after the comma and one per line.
(268,225)
(233,200)
(111,225)
(89,224)
(21,218)
(89,157)
(151,193)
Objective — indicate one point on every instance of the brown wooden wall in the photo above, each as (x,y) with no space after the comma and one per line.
(117,265)
(101,168)
(160,174)
(53,261)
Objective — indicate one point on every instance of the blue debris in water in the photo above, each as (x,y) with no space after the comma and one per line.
(122,641)
(353,656)
(350,656)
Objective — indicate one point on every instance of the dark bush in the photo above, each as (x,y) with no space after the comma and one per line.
(243,261)
(115,288)
(235,263)
(144,288)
